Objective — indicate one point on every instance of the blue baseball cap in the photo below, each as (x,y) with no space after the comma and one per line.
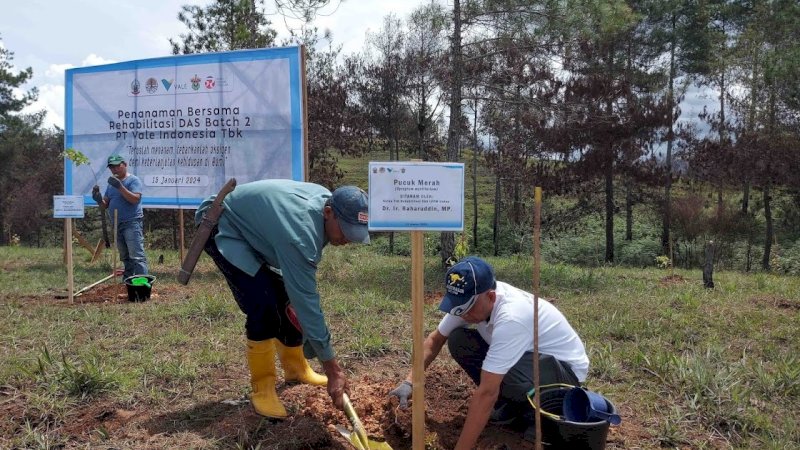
(351,206)
(464,282)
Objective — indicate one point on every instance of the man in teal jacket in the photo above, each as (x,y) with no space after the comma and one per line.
(268,244)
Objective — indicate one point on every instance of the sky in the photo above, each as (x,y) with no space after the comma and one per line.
(51,36)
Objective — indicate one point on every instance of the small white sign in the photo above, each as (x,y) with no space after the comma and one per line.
(421,196)
(68,206)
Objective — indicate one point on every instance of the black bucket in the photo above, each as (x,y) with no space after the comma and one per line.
(558,433)
(139,287)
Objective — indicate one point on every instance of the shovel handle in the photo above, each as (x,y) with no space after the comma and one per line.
(358,427)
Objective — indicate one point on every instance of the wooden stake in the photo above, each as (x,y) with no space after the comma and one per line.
(70,281)
(98,250)
(418,358)
(114,252)
(180,233)
(82,241)
(537,219)
(305,110)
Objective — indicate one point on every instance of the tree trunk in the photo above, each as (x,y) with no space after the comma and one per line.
(629,211)
(610,206)
(517,207)
(765,263)
(496,224)
(745,197)
(3,240)
(708,266)
(748,261)
(453,130)
(421,135)
(667,213)
(174,227)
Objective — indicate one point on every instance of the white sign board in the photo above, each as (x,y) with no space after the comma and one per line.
(187,124)
(67,206)
(421,196)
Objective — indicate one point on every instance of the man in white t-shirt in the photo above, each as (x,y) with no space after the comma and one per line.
(498,352)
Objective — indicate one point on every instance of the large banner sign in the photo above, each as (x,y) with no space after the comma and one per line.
(186,124)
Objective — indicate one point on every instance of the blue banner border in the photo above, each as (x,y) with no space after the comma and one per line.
(293,54)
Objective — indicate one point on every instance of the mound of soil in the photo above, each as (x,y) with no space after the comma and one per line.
(778,302)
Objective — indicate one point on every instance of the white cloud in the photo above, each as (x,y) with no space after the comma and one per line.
(94,60)
(57,70)
(51,100)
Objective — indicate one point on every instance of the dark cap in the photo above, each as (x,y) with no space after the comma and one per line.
(115,160)
(351,206)
(464,281)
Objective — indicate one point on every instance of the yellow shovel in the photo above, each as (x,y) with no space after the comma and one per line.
(359,437)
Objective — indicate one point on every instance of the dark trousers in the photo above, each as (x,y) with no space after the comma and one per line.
(469,350)
(262,298)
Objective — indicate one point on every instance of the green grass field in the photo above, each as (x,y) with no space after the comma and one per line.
(687,367)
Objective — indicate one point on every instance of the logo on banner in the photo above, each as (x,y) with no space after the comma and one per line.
(195,82)
(210,83)
(135,87)
(167,83)
(151,85)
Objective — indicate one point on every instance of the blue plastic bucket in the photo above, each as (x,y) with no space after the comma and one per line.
(583,405)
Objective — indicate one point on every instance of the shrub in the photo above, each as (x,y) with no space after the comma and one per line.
(581,250)
(638,252)
(787,261)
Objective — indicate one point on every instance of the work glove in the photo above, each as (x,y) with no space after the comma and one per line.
(96,195)
(403,392)
(113,181)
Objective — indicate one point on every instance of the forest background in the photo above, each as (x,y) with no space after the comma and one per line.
(581,97)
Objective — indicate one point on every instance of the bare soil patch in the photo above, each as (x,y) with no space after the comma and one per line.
(230,423)
(433,297)
(211,418)
(108,293)
(775,301)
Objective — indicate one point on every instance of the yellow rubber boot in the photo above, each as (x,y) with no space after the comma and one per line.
(261,358)
(296,368)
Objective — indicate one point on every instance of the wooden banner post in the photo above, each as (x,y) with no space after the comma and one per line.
(68,241)
(180,234)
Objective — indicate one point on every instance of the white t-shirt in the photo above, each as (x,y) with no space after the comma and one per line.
(509,332)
